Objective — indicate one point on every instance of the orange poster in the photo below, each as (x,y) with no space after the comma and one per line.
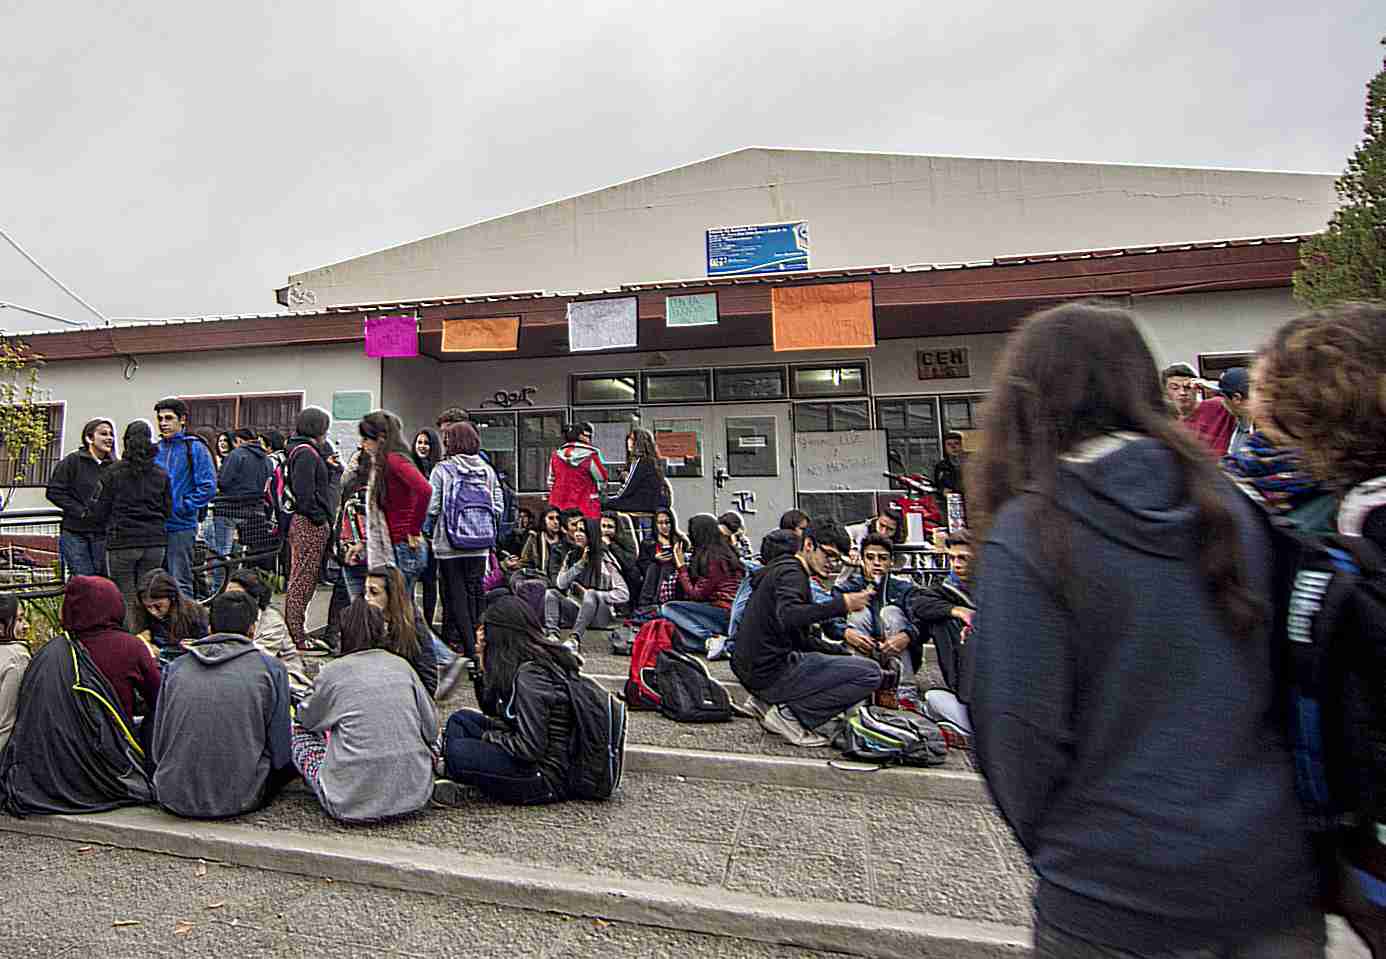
(677,446)
(822,317)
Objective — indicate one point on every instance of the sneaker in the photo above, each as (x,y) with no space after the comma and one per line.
(450,676)
(782,724)
(717,647)
(448,794)
(551,637)
(620,642)
(953,734)
(755,706)
(315,647)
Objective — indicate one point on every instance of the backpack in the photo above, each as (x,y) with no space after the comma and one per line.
(875,735)
(642,685)
(279,492)
(599,743)
(1330,626)
(688,693)
(469,517)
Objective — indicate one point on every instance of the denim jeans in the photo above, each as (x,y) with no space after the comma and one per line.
(83,554)
(816,687)
(411,562)
(472,761)
(178,559)
(696,622)
(893,620)
(743,596)
(944,704)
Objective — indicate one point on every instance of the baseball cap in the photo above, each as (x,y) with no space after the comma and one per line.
(1235,380)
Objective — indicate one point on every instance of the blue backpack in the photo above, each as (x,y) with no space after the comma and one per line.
(469,517)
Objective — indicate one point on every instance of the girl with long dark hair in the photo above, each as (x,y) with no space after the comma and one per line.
(587,588)
(544,550)
(396,499)
(132,505)
(72,488)
(14,660)
(709,582)
(1124,697)
(427,452)
(310,479)
(167,617)
(645,489)
(658,577)
(518,748)
(407,636)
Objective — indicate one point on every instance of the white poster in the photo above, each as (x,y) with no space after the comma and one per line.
(602,325)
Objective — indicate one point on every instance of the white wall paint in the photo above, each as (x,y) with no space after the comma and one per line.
(862,210)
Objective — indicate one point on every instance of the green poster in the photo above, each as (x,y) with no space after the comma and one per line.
(699,309)
(351,404)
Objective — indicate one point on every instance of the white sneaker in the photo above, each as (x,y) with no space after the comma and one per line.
(791,729)
(716,647)
(755,706)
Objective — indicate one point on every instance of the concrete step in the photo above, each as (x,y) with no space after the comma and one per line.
(815,868)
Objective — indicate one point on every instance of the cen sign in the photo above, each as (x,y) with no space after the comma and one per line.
(950,364)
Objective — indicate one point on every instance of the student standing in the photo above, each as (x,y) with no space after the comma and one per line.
(1123,604)
(133,505)
(645,489)
(397,499)
(428,453)
(311,481)
(577,472)
(192,480)
(82,543)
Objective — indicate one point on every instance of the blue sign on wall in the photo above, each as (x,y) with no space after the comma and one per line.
(773,248)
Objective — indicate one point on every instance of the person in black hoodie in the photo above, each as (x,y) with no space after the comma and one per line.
(1124,701)
(645,489)
(72,489)
(221,730)
(793,687)
(310,480)
(132,504)
(238,512)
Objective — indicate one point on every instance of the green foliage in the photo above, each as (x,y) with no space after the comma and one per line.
(44,616)
(1348,260)
(23,424)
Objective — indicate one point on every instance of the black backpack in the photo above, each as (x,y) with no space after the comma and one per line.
(1330,625)
(687,692)
(599,740)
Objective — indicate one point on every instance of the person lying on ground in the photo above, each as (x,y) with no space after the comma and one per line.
(518,748)
(14,659)
(709,581)
(944,613)
(363,740)
(166,618)
(793,688)
(221,732)
(94,615)
(882,630)
(587,590)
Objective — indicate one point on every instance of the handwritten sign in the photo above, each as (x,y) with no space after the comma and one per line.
(392,335)
(827,462)
(602,324)
(677,446)
(950,364)
(699,309)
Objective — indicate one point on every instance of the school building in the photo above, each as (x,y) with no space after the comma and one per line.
(740,307)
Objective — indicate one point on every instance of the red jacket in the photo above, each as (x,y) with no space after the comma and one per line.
(576,476)
(717,588)
(94,615)
(1213,425)
(406,498)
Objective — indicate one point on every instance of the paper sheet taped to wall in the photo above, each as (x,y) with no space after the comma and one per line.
(392,335)
(495,334)
(824,316)
(677,446)
(602,325)
(699,309)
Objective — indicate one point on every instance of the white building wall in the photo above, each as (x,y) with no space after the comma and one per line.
(862,210)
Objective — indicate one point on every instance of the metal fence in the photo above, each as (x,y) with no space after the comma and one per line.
(30,563)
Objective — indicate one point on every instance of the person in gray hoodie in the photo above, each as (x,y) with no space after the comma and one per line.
(1124,700)
(221,729)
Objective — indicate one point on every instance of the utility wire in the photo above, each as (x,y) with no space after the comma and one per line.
(47,316)
(61,285)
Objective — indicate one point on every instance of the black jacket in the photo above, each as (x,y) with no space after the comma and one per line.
(244,473)
(73,489)
(1132,742)
(311,481)
(948,478)
(776,622)
(132,507)
(535,724)
(644,490)
(932,613)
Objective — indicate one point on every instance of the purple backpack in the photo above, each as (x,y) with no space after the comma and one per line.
(469,516)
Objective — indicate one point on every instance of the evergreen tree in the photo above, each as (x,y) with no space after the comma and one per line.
(1348,260)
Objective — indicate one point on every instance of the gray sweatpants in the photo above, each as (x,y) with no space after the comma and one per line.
(559,610)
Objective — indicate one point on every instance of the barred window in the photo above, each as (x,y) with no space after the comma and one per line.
(39,472)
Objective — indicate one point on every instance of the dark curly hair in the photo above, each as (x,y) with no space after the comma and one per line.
(1321,384)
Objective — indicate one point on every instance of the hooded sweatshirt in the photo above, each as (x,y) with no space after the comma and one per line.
(192,478)
(245,472)
(133,507)
(310,480)
(1130,741)
(776,621)
(576,476)
(94,615)
(221,730)
(73,489)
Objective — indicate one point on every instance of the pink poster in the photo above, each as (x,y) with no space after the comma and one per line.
(392,335)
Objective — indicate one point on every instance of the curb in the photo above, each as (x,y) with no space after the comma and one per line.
(846,776)
(848,928)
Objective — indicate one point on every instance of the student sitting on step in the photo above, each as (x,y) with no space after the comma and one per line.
(518,747)
(14,659)
(546,546)
(166,618)
(363,740)
(587,589)
(944,613)
(271,632)
(794,688)
(882,630)
(709,580)
(221,732)
(94,615)
(658,578)
(409,636)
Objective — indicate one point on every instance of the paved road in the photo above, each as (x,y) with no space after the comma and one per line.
(60,899)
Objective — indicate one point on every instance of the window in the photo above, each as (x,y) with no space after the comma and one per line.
(497,433)
(842,508)
(39,472)
(259,413)
(765,383)
(686,386)
(831,417)
(686,467)
(847,379)
(752,449)
(538,435)
(1212,365)
(962,413)
(912,434)
(600,389)
(609,431)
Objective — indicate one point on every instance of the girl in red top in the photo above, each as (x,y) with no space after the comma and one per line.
(396,499)
(709,581)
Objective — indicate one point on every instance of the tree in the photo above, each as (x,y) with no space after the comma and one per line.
(23,422)
(1348,260)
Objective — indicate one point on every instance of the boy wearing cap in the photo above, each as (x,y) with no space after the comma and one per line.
(1223,423)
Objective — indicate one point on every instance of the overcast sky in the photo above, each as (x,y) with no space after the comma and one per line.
(170,158)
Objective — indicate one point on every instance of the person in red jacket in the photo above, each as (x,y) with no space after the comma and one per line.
(710,582)
(577,472)
(94,615)
(396,499)
(1223,423)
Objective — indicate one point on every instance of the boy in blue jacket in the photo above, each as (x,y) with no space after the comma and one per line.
(882,631)
(192,482)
